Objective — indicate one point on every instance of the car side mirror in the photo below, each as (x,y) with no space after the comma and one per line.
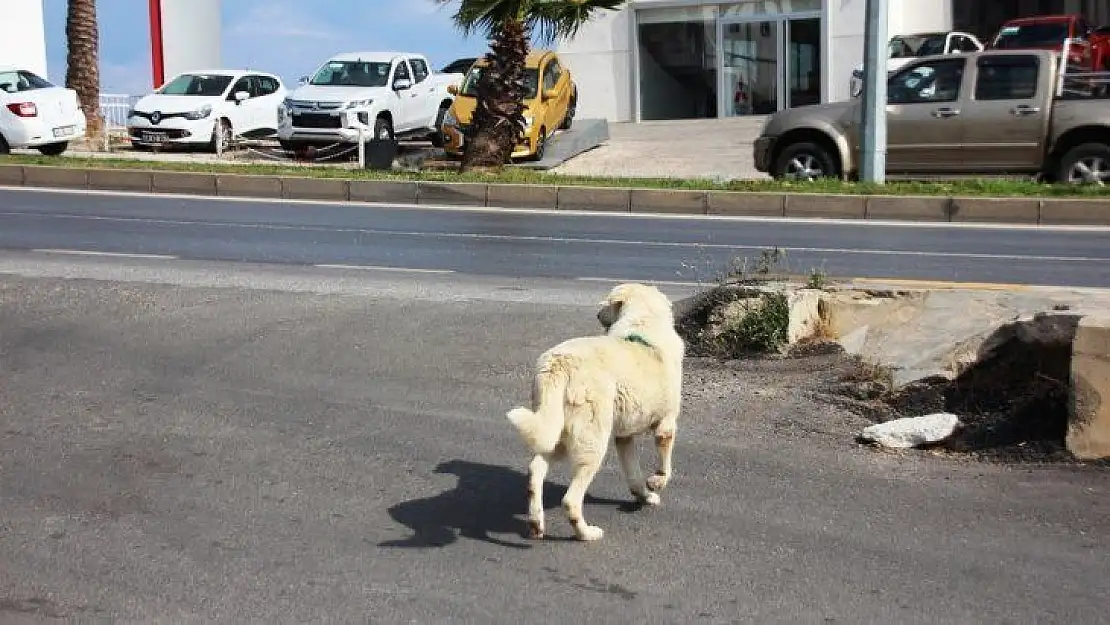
(401,84)
(453,89)
(550,94)
(240,96)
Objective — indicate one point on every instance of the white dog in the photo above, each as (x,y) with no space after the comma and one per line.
(588,389)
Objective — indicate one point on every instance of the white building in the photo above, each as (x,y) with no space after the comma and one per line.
(683,59)
(23,42)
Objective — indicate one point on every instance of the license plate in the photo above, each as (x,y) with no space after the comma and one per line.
(64,131)
(155,136)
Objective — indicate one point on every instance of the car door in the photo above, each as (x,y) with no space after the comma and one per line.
(924,123)
(241,115)
(1005,123)
(425,102)
(266,103)
(404,99)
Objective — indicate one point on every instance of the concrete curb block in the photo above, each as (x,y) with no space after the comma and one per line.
(1021,210)
(1088,436)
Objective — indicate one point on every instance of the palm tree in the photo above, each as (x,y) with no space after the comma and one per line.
(498,121)
(83,59)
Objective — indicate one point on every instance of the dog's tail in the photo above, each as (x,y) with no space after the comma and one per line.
(542,429)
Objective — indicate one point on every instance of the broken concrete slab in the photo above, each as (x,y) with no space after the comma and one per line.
(1088,435)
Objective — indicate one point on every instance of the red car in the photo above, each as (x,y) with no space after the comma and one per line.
(1047,32)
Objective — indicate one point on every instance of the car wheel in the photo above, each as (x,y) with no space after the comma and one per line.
(53,149)
(438,140)
(383,129)
(804,161)
(221,137)
(571,110)
(541,146)
(1088,163)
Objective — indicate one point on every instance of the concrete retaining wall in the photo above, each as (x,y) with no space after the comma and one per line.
(1088,435)
(1021,210)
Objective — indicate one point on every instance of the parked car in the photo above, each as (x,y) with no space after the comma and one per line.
(989,112)
(905,48)
(208,108)
(550,101)
(1090,48)
(389,95)
(34,113)
(459,66)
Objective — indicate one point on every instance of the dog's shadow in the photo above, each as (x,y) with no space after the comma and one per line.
(487,500)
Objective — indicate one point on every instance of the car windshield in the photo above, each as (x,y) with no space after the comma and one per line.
(916,45)
(531,82)
(1031,35)
(205,85)
(22,80)
(352,74)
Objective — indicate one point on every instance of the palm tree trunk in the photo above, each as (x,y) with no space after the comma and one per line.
(498,121)
(83,59)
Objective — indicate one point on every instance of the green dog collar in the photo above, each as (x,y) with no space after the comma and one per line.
(636,338)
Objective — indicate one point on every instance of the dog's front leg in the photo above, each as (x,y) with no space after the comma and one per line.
(630,464)
(537,473)
(664,447)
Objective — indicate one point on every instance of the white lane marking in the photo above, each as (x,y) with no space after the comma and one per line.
(832,221)
(660,282)
(108,254)
(380,268)
(545,239)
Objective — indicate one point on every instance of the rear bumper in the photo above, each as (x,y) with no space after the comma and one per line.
(761,153)
(33,132)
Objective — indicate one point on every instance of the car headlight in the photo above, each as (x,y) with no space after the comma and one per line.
(130,113)
(200,113)
(528,119)
(358,104)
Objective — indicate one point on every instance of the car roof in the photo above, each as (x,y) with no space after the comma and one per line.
(18,68)
(372,56)
(1042,18)
(532,61)
(225,72)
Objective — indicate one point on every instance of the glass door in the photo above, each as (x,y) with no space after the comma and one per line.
(803,61)
(751,72)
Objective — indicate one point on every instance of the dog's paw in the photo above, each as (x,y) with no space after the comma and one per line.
(535,530)
(653,499)
(658,481)
(590,533)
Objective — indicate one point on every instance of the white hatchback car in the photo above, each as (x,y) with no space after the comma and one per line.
(207,108)
(34,113)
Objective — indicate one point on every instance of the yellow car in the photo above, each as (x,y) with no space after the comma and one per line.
(545,110)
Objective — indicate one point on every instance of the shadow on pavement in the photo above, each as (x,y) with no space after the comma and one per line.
(486,501)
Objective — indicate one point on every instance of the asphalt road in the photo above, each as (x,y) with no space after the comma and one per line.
(532,244)
(200,442)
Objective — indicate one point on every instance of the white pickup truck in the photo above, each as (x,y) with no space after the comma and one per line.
(388,95)
(902,49)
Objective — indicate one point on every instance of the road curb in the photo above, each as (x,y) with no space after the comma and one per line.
(1011,210)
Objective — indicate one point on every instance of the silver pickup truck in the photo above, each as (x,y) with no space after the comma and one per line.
(992,112)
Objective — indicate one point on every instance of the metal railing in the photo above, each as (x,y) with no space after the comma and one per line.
(1071,80)
(114,108)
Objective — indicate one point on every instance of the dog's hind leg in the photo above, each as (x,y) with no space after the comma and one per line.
(630,465)
(537,473)
(584,470)
(664,447)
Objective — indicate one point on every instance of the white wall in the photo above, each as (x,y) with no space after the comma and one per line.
(190,35)
(847,20)
(600,61)
(23,42)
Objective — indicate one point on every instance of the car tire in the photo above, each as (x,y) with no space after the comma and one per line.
(4,147)
(804,161)
(1088,163)
(572,109)
(541,147)
(53,149)
(221,134)
(383,129)
(437,138)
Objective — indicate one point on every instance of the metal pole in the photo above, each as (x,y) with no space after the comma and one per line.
(873,122)
(361,148)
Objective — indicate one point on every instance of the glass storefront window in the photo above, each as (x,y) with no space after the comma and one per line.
(678,62)
(769,7)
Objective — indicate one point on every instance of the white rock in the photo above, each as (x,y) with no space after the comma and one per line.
(912,431)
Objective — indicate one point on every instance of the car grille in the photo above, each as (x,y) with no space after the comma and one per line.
(311,104)
(316,120)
